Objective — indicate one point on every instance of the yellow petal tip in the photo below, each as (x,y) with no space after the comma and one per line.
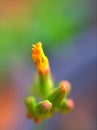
(39,58)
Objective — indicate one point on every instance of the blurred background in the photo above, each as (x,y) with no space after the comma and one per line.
(67,29)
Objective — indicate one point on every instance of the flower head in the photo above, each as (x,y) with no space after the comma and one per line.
(39,58)
(53,99)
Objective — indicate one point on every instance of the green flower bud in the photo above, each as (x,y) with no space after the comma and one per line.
(30,103)
(42,64)
(43,109)
(68,87)
(59,93)
(66,106)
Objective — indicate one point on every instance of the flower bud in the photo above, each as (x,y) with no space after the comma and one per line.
(42,64)
(66,106)
(59,93)
(43,108)
(30,103)
(66,84)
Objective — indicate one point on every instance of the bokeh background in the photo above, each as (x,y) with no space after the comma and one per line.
(67,29)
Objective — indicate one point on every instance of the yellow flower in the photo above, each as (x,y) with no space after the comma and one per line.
(39,58)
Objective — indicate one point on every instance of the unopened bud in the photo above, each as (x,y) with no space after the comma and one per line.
(67,86)
(30,103)
(66,106)
(43,108)
(59,93)
(42,64)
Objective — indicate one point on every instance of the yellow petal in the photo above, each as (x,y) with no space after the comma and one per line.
(39,58)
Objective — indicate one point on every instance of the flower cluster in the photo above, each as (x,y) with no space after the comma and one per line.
(51,99)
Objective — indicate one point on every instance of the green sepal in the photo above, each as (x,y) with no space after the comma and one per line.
(46,84)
